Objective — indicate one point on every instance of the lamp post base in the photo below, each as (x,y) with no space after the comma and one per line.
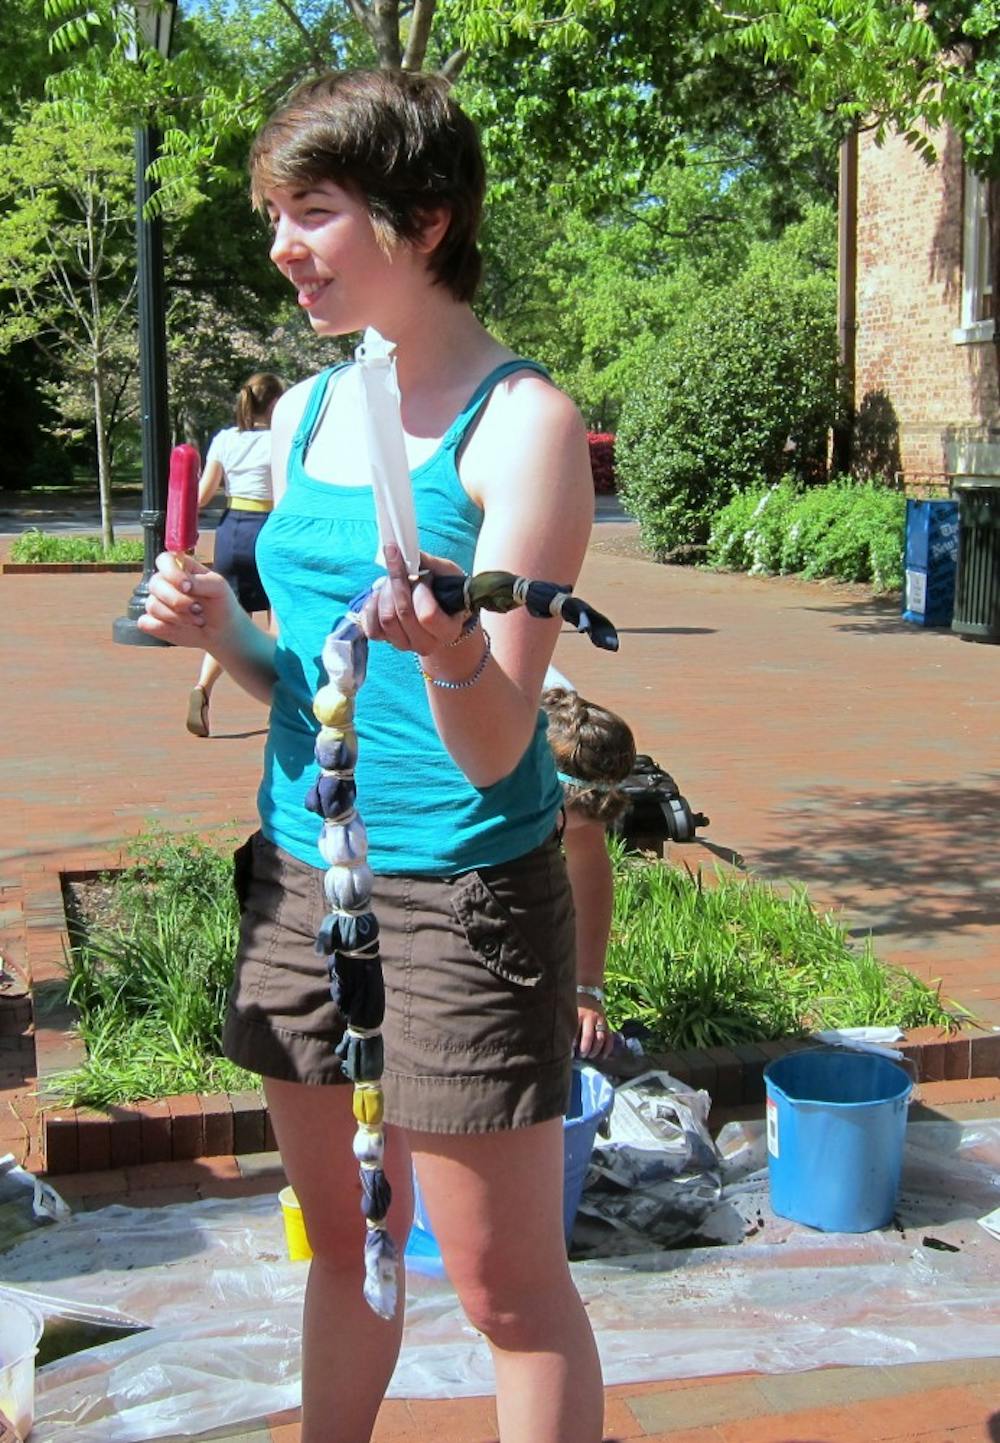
(125,630)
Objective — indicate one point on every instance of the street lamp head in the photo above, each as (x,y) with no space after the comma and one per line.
(156,21)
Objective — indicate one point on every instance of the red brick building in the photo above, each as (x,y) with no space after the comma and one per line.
(925,367)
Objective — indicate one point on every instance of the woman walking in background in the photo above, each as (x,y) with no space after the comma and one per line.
(239,459)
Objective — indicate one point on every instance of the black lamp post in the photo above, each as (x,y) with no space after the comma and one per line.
(155,19)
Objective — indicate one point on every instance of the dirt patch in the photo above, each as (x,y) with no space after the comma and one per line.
(620,538)
(93,904)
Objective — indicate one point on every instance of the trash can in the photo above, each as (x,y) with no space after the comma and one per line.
(930,557)
(977,580)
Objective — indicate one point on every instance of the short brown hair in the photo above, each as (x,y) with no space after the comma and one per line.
(397,139)
(594,750)
(255,398)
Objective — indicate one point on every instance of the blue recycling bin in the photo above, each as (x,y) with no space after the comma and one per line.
(930,559)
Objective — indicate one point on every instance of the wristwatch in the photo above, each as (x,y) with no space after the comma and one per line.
(596,992)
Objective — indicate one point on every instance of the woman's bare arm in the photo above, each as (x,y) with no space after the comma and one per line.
(529,468)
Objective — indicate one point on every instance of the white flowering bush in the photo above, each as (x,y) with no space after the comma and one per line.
(849,530)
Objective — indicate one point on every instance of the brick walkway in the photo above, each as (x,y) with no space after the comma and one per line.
(828,742)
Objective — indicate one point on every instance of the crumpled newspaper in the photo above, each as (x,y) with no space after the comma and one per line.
(26,1202)
(657,1174)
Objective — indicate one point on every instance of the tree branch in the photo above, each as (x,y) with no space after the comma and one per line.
(361,13)
(454,65)
(319,60)
(420,31)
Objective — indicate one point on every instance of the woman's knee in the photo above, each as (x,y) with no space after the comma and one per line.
(515,1311)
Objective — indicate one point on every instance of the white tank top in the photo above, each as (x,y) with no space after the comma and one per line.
(245,458)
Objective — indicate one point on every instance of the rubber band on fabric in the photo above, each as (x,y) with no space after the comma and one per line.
(348,939)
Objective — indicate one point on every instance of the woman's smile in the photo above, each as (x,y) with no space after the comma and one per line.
(309,292)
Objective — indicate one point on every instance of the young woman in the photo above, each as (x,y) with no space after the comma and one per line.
(594,751)
(239,459)
(373,182)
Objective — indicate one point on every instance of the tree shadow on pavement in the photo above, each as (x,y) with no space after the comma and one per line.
(916,860)
(878,616)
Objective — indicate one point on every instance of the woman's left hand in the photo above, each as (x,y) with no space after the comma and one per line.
(594,1038)
(405,613)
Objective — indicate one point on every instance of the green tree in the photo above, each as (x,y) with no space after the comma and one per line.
(891,65)
(66,259)
(743,392)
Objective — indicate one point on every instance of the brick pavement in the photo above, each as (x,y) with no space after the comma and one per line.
(829,743)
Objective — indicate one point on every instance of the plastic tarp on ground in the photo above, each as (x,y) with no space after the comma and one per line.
(225,1306)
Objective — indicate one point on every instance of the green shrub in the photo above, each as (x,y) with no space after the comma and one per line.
(864,541)
(752,366)
(769,524)
(728,539)
(39,546)
(848,530)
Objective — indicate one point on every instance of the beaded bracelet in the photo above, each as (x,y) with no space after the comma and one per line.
(458,685)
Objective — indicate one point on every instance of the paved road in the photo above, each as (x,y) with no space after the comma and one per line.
(74,513)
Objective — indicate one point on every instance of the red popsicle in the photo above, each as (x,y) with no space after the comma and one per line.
(182,499)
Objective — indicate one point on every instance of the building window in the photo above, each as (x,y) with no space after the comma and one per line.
(977,278)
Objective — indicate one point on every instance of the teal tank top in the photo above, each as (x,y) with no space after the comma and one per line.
(315,555)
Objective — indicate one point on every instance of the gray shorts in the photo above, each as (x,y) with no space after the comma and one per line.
(480,975)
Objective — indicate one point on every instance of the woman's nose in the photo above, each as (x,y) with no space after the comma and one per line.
(285,243)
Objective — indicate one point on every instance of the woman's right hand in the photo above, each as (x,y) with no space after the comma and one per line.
(188,605)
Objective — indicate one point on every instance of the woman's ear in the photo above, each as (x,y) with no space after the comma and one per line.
(433,229)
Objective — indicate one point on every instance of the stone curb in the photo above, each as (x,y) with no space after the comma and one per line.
(56,568)
(192,1126)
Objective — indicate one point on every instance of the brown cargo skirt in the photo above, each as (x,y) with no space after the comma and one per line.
(480,975)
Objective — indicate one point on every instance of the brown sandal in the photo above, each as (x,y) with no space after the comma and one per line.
(197,717)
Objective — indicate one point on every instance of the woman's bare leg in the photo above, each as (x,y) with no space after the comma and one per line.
(209,674)
(348,1354)
(495,1202)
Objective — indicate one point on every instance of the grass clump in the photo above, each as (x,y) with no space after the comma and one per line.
(701,966)
(39,546)
(151,983)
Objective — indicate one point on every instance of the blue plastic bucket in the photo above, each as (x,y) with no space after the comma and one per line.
(591,1100)
(836,1122)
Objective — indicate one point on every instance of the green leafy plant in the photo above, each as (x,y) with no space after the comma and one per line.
(151,984)
(732,960)
(41,546)
(849,530)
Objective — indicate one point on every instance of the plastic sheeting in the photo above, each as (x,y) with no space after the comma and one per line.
(225,1307)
